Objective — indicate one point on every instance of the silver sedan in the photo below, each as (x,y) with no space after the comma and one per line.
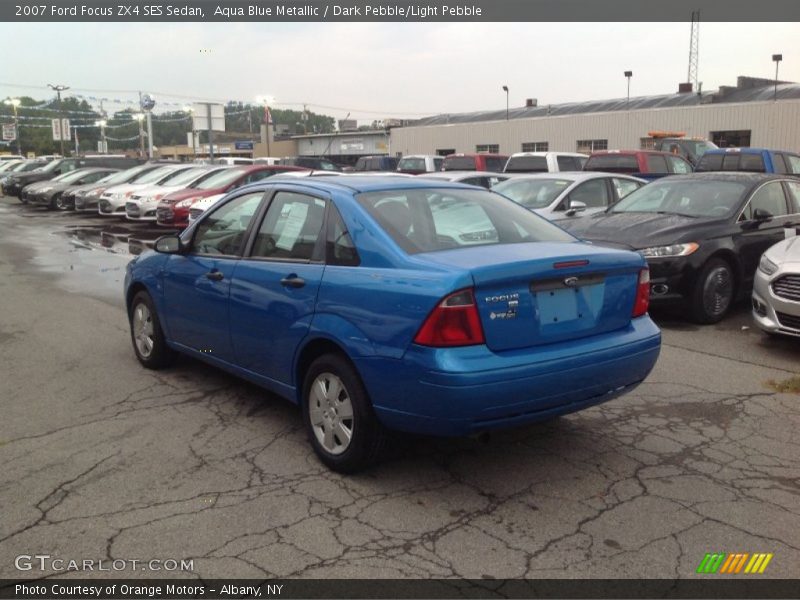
(776,289)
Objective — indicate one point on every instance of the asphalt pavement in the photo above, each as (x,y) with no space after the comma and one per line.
(103,459)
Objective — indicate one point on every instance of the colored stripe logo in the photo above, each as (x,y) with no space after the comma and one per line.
(734,563)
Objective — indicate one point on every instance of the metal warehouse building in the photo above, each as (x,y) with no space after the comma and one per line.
(749,114)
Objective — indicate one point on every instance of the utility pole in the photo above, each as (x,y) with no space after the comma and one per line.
(210,134)
(58,89)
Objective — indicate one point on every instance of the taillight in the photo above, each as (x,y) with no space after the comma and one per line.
(454,322)
(642,294)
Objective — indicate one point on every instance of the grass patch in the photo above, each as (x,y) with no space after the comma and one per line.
(787,386)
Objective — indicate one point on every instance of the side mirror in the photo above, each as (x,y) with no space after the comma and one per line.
(575,206)
(168,244)
(761,214)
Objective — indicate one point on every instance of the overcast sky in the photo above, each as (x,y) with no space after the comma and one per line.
(384,70)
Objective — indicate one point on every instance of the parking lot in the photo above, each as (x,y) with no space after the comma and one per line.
(106,460)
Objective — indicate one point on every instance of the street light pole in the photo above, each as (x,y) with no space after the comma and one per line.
(628,75)
(266,101)
(15,102)
(140,117)
(58,89)
(190,110)
(505,89)
(777,58)
(102,125)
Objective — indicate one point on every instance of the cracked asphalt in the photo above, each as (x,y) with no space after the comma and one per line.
(102,459)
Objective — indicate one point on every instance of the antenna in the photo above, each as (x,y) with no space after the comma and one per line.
(694,48)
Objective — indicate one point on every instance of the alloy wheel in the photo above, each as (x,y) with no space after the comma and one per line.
(331,413)
(142,324)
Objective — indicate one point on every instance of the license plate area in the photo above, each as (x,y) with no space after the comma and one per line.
(568,300)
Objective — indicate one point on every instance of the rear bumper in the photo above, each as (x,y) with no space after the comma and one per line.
(458,391)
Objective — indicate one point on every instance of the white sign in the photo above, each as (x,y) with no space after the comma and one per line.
(9,132)
(61,130)
(200,116)
(102,147)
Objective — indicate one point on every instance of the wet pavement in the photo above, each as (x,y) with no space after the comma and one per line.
(105,460)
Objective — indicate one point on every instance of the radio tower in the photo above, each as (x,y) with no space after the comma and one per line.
(694,45)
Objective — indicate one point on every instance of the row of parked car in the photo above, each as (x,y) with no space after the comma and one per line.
(703,234)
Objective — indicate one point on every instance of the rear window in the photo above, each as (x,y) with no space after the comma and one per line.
(710,162)
(495,163)
(526,164)
(656,164)
(460,163)
(751,162)
(615,163)
(569,163)
(533,193)
(412,164)
(427,220)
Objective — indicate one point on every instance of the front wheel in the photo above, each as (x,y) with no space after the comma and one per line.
(713,292)
(59,203)
(341,424)
(148,339)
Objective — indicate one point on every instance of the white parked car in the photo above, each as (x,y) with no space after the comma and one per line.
(484,179)
(545,162)
(776,289)
(199,207)
(142,204)
(113,199)
(414,164)
(558,196)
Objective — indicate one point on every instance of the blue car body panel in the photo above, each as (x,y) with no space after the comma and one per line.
(252,326)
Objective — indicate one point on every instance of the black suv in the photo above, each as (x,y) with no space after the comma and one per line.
(14,184)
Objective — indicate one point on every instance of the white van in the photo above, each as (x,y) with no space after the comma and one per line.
(545,162)
(267,160)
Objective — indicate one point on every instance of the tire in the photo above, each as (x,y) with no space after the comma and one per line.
(58,203)
(349,410)
(147,337)
(713,292)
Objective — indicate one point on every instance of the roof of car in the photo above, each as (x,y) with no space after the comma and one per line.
(736,176)
(554,153)
(746,150)
(630,152)
(450,175)
(362,183)
(572,175)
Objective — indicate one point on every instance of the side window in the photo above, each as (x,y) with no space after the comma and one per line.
(768,197)
(339,247)
(794,196)
(656,164)
(593,193)
(779,165)
(624,187)
(222,233)
(92,177)
(678,165)
(793,162)
(291,227)
(567,163)
(437,164)
(257,176)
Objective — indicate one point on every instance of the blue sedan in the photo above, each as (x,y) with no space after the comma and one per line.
(382,303)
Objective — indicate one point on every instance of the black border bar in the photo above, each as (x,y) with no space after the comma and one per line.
(265,11)
(709,586)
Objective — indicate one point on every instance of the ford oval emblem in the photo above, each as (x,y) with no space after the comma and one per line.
(571,281)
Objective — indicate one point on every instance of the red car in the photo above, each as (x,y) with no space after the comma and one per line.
(173,210)
(475,162)
(646,164)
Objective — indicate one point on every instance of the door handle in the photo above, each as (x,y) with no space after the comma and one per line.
(215,275)
(293,281)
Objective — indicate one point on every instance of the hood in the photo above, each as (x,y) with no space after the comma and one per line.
(186,193)
(124,188)
(637,229)
(787,251)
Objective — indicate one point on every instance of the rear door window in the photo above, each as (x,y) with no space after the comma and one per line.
(770,198)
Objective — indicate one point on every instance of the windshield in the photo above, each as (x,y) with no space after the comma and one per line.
(220,179)
(64,176)
(185,176)
(155,175)
(689,198)
(72,176)
(27,166)
(427,220)
(52,165)
(124,176)
(532,193)
(699,147)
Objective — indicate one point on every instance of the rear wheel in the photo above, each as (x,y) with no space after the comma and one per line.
(148,339)
(338,415)
(713,292)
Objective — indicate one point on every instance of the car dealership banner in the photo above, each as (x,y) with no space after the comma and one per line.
(324,10)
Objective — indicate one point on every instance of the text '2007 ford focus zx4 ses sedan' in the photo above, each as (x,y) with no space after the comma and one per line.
(385,302)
